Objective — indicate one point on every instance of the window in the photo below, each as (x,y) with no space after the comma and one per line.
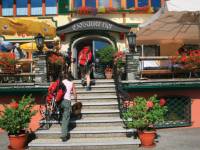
(130,3)
(51,7)
(142,3)
(156,4)
(36,7)
(90,3)
(77,3)
(22,9)
(7,7)
(116,3)
(151,50)
(104,3)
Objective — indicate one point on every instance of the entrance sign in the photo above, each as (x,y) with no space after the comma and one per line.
(92,23)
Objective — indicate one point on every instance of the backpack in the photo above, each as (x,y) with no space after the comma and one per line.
(85,57)
(57,90)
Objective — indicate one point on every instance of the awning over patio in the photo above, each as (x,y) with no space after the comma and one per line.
(31,47)
(177,22)
(30,27)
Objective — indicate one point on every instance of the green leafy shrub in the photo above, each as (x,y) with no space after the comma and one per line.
(17,115)
(144,113)
(106,55)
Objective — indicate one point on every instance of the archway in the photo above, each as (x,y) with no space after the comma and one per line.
(95,42)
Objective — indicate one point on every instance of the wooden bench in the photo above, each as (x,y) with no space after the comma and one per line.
(156,72)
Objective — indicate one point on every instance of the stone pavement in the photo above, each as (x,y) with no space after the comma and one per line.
(168,139)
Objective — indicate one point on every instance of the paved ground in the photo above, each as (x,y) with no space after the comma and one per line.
(168,139)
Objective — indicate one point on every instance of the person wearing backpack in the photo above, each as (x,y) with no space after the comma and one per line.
(66,106)
(85,59)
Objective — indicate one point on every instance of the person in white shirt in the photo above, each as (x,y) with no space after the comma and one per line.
(66,106)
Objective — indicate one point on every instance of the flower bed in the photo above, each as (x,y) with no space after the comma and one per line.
(7,62)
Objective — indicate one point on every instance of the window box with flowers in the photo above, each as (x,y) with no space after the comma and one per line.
(143,114)
(15,118)
(186,61)
(7,62)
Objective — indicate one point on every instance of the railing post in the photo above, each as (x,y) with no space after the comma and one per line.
(40,69)
(132,65)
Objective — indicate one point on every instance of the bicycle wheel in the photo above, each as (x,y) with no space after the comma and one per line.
(47,118)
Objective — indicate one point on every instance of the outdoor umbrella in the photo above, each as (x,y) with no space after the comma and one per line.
(177,22)
(31,47)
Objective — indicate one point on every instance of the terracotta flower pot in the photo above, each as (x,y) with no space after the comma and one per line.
(147,138)
(108,75)
(17,142)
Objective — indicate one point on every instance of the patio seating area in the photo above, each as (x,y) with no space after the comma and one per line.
(161,67)
(21,71)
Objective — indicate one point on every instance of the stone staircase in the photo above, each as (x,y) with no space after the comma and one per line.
(100,128)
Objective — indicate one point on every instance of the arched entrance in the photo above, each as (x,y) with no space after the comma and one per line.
(96,42)
(88,31)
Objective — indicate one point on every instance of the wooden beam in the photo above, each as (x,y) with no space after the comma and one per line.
(29,7)
(123,4)
(97,4)
(110,3)
(57,6)
(83,3)
(14,8)
(0,8)
(136,3)
(43,7)
(71,4)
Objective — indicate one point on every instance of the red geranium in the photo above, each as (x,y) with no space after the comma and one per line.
(56,59)
(14,105)
(149,104)
(187,60)
(162,102)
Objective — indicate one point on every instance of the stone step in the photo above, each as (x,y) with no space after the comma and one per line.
(88,100)
(97,81)
(96,91)
(103,86)
(87,132)
(114,143)
(95,95)
(102,112)
(99,105)
(91,122)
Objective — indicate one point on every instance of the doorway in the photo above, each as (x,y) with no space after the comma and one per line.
(96,43)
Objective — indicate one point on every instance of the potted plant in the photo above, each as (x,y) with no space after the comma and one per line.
(108,72)
(106,58)
(119,62)
(143,114)
(15,118)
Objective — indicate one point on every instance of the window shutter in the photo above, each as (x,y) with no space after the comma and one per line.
(63,6)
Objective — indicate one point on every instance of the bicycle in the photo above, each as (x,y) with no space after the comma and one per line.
(51,113)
